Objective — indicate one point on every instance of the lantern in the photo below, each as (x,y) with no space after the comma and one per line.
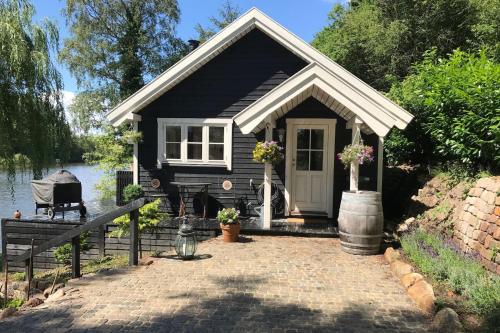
(185,243)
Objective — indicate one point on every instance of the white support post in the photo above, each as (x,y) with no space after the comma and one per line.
(268,172)
(380,163)
(135,161)
(354,175)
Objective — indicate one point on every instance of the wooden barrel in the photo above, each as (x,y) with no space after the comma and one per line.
(361,222)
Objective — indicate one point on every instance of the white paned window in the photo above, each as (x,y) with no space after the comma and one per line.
(193,141)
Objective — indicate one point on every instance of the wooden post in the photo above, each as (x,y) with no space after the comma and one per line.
(380,163)
(133,258)
(5,261)
(6,282)
(354,173)
(135,161)
(75,257)
(101,235)
(30,270)
(268,172)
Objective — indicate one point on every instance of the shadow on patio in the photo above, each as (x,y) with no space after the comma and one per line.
(234,312)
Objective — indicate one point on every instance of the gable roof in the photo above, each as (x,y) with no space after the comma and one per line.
(254,18)
(327,87)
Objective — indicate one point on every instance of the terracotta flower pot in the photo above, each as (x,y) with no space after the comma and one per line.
(230,232)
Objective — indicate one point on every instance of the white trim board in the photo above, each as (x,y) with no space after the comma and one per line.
(306,83)
(253,18)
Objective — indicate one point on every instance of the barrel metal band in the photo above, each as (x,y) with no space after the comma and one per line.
(360,236)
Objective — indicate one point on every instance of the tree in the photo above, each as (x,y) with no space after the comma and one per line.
(87,111)
(227,14)
(455,102)
(31,112)
(379,40)
(487,28)
(117,45)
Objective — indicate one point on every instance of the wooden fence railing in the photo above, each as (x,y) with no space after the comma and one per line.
(73,235)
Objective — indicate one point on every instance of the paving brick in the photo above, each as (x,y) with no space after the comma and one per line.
(265,284)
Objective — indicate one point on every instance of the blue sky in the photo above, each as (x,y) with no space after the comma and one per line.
(303,17)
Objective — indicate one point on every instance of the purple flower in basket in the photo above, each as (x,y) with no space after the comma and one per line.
(358,152)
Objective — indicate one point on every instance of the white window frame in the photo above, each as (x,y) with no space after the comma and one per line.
(184,123)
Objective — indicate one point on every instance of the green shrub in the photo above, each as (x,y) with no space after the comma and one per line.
(19,276)
(12,303)
(443,262)
(455,102)
(149,218)
(62,254)
(398,148)
(132,192)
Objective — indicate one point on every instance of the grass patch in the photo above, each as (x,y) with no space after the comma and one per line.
(92,266)
(478,290)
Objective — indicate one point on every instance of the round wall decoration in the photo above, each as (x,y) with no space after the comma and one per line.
(155,183)
(227,185)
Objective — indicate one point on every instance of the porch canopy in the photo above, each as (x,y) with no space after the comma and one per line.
(374,112)
(362,107)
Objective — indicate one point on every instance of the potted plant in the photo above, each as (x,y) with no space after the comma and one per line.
(357,152)
(268,152)
(229,224)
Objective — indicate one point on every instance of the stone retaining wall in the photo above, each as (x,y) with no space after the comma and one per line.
(478,227)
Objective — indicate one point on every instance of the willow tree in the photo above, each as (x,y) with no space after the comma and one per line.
(32,121)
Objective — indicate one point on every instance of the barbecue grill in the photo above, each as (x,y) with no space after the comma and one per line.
(57,193)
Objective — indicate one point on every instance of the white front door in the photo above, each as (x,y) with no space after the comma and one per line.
(311,151)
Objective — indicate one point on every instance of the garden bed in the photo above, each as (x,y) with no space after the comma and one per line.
(459,281)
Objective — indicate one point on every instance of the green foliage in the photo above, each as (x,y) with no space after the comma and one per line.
(32,121)
(88,110)
(398,148)
(487,28)
(111,152)
(228,216)
(464,276)
(15,303)
(132,192)
(149,218)
(378,40)
(62,254)
(227,14)
(116,45)
(267,152)
(18,276)
(456,103)
(104,263)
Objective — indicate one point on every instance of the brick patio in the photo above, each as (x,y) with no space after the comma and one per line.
(265,284)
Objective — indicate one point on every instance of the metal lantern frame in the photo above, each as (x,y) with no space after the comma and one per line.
(186,242)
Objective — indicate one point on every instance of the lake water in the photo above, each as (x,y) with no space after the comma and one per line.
(22,198)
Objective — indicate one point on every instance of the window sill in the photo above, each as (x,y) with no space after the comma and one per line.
(194,164)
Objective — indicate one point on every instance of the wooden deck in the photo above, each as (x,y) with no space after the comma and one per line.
(249,225)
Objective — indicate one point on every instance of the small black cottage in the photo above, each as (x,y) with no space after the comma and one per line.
(256,81)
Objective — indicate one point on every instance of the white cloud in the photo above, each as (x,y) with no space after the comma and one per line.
(68,97)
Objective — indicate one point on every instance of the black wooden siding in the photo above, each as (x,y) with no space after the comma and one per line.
(221,89)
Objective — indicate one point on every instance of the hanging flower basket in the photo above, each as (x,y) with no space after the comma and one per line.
(358,152)
(268,152)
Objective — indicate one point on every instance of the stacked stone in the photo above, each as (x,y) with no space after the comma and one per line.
(478,229)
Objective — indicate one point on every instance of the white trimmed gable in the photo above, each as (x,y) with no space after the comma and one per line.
(371,106)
